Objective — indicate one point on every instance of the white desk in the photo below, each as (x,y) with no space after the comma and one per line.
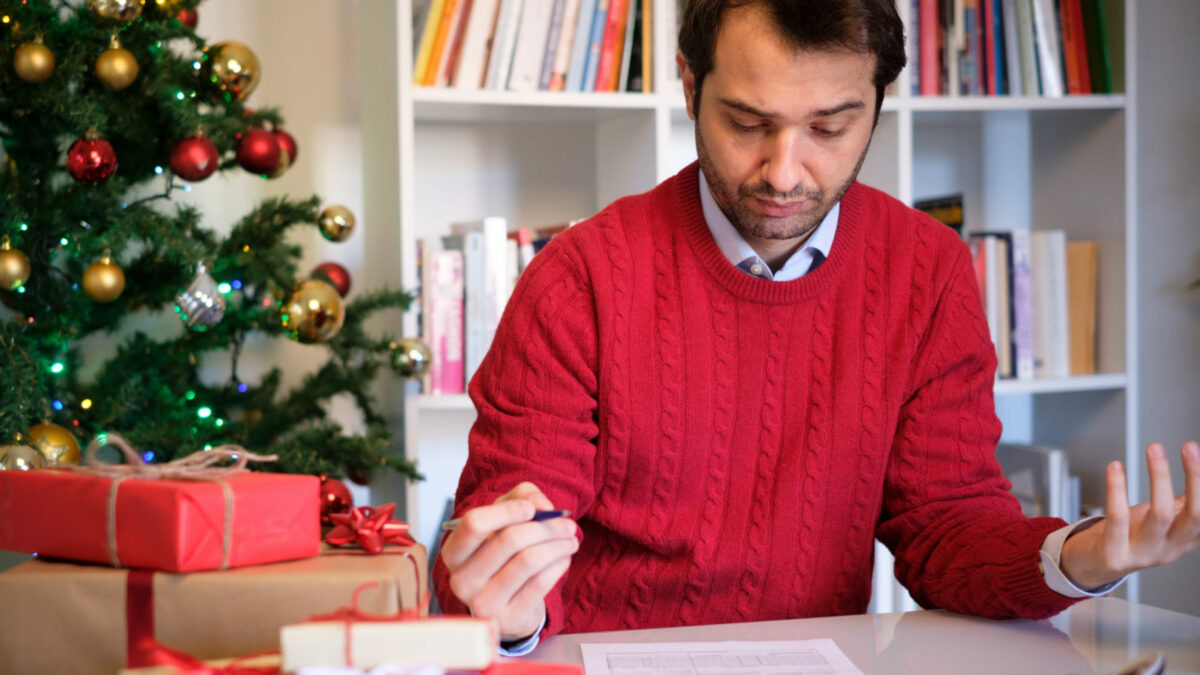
(1094,636)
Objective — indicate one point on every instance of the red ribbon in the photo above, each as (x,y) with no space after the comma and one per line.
(372,529)
(151,653)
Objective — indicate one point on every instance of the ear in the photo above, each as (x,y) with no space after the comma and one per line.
(689,83)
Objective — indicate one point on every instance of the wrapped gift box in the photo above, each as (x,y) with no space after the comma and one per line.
(78,619)
(460,643)
(169,525)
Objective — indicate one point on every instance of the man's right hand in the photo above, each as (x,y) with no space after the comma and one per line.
(502,564)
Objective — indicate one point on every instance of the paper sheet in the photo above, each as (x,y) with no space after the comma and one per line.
(793,657)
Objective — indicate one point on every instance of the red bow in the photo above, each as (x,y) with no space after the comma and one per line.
(370,528)
(151,653)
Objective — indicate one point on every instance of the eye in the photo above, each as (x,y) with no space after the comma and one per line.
(826,132)
(745,127)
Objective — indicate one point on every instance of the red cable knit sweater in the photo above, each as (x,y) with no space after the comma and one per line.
(730,445)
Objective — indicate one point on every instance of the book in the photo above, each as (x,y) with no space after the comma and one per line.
(947,209)
(553,37)
(1082,262)
(439,42)
(1074,48)
(595,44)
(1049,284)
(424,291)
(610,48)
(531,45)
(508,22)
(927,20)
(1012,49)
(579,45)
(1049,55)
(474,344)
(1022,305)
(1026,38)
(996,249)
(990,35)
(428,36)
(469,73)
(492,256)
(446,309)
(449,66)
(566,45)
(647,44)
(631,26)
(1096,35)
(1040,479)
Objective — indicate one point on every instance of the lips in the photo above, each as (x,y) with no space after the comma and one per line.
(777,210)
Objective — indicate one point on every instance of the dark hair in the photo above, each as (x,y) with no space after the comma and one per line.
(860,26)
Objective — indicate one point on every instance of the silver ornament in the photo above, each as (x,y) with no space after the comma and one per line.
(411,358)
(20,458)
(201,306)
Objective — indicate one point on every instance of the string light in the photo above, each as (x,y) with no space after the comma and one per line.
(57,368)
(58,405)
(158,170)
(86,404)
(24,227)
(242,388)
(64,241)
(148,456)
(190,395)
(224,288)
(220,422)
(237,284)
(204,413)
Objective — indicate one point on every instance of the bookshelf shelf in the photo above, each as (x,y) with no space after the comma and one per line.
(1020,163)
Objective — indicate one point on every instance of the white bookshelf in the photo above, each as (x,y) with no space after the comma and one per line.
(542,158)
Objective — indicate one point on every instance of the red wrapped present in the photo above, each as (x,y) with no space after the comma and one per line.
(183,516)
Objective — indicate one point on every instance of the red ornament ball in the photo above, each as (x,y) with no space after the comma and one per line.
(335,498)
(194,158)
(287,152)
(188,17)
(91,160)
(335,274)
(258,151)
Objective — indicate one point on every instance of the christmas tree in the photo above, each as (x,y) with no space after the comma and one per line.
(108,108)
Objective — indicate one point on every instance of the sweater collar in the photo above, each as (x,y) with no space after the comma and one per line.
(686,202)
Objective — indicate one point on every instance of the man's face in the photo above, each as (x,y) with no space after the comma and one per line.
(780,133)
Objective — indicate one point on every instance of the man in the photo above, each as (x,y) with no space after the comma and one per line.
(737,380)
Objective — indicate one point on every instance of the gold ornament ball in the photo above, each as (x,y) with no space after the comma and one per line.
(233,68)
(34,62)
(314,313)
(336,223)
(116,11)
(104,280)
(411,358)
(14,267)
(57,445)
(116,68)
(20,458)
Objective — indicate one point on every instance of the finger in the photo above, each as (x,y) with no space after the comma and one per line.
(477,525)
(1116,510)
(517,542)
(523,568)
(532,596)
(1162,493)
(1191,472)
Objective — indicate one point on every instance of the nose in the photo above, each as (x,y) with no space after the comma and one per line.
(783,165)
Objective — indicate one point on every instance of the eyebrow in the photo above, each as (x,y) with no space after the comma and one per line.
(749,109)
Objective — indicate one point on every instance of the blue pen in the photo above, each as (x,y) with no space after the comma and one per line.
(537,516)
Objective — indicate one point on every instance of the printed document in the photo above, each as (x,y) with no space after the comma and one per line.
(794,657)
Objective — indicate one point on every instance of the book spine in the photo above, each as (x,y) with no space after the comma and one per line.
(446,344)
(928,20)
(1081,52)
(439,43)
(647,44)
(627,48)
(454,50)
(501,56)
(579,46)
(530,45)
(1050,61)
(553,37)
(566,44)
(475,341)
(470,70)
(1058,336)
(428,37)
(610,49)
(1022,305)
(1070,51)
(595,44)
(1030,75)
(1012,49)
(989,47)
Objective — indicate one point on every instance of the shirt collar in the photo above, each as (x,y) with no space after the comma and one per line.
(741,255)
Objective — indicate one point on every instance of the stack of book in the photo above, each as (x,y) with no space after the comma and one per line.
(466,278)
(535,45)
(1010,47)
(1039,295)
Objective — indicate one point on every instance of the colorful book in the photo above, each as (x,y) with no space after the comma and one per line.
(595,45)
(647,43)
(610,48)
(1051,343)
(490,249)
(1031,77)
(579,45)
(439,42)
(1022,305)
(631,25)
(449,65)
(550,51)
(531,45)
(1099,57)
(508,22)
(929,58)
(565,49)
(1049,53)
(428,37)
(1012,49)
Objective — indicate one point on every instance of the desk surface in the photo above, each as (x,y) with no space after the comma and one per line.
(1094,636)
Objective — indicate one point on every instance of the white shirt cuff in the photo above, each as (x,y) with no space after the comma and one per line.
(524,646)
(1051,553)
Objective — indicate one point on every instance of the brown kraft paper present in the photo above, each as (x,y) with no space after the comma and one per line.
(71,619)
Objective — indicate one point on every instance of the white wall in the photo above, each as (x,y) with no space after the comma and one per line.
(1168,313)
